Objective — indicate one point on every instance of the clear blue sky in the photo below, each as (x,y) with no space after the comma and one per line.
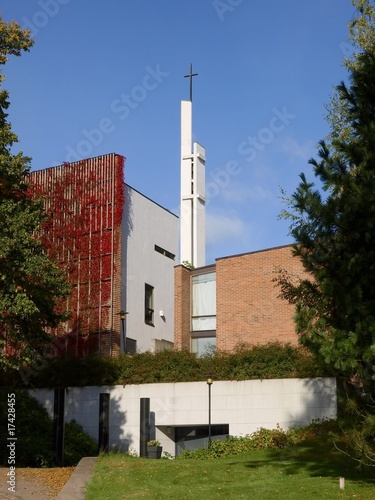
(108,76)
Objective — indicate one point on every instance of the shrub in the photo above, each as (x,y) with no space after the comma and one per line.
(270,438)
(34,429)
(78,372)
(262,439)
(247,362)
(78,444)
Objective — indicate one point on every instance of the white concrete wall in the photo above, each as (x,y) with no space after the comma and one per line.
(245,406)
(146,224)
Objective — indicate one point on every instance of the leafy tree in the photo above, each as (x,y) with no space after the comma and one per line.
(361,37)
(31,286)
(334,228)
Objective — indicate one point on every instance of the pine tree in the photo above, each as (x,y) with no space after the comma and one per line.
(32,287)
(334,231)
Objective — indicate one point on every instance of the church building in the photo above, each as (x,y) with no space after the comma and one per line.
(234,301)
(138,274)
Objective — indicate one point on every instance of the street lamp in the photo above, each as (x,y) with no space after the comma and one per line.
(123,314)
(209,383)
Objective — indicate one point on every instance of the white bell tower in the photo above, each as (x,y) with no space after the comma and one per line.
(193,201)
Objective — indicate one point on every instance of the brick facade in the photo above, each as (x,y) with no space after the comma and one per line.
(84,203)
(248,307)
(182,308)
(117,290)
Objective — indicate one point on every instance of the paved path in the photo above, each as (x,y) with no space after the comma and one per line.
(76,485)
(30,488)
(26,488)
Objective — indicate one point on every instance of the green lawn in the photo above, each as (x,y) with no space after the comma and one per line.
(300,473)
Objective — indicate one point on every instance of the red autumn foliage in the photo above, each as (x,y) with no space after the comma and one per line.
(84,203)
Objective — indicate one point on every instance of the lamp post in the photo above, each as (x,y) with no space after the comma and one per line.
(209,383)
(123,314)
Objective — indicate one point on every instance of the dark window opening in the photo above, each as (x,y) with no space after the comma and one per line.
(161,250)
(193,437)
(149,305)
(131,346)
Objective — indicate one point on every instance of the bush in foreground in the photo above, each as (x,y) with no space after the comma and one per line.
(33,429)
(347,436)
(264,439)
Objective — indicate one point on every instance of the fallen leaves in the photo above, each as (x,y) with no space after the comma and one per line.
(52,479)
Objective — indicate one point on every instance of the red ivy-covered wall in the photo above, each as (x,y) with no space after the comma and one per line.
(84,201)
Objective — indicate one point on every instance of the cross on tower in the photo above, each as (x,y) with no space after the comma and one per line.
(190,75)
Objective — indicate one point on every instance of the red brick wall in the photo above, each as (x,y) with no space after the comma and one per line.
(248,307)
(182,308)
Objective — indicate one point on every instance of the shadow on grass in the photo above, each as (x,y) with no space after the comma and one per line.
(317,460)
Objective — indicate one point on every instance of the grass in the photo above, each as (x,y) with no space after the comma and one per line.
(298,472)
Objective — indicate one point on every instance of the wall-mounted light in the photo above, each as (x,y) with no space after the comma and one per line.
(123,314)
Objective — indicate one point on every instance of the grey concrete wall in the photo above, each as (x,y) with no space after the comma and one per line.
(245,406)
(146,224)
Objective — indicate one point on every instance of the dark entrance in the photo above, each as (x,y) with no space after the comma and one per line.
(193,437)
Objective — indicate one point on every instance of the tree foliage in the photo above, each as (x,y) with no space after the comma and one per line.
(334,228)
(361,38)
(31,286)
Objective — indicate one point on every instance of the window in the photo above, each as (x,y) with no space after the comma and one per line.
(161,250)
(202,346)
(204,302)
(131,346)
(149,305)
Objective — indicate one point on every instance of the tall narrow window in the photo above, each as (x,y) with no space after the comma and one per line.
(204,302)
(149,304)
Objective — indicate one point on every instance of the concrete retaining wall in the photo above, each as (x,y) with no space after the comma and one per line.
(245,406)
